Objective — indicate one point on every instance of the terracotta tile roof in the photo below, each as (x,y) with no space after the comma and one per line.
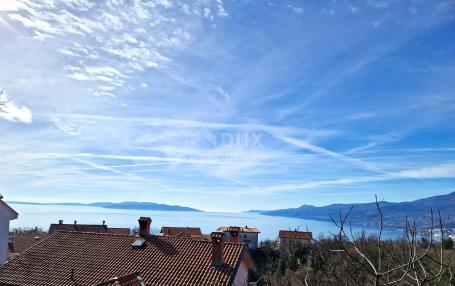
(132,279)
(194,232)
(242,229)
(296,234)
(92,258)
(118,230)
(53,228)
(23,241)
(98,228)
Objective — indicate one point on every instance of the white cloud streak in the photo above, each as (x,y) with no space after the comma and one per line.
(11,111)
(441,171)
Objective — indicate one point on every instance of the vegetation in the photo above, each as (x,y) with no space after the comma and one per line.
(345,258)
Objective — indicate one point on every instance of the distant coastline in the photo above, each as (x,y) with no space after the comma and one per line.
(366,214)
(121,205)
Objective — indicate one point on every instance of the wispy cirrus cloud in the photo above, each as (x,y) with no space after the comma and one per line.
(442,171)
(11,111)
(176,101)
(107,41)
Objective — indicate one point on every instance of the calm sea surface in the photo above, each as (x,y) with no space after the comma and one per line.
(42,216)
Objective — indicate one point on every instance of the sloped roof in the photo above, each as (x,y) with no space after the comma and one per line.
(25,240)
(54,227)
(9,209)
(242,229)
(91,258)
(132,279)
(118,230)
(296,234)
(181,231)
(98,228)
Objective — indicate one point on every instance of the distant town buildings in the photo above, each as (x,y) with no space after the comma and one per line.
(6,215)
(288,237)
(247,235)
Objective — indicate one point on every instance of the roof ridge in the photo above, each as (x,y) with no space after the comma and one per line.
(97,233)
(78,224)
(137,236)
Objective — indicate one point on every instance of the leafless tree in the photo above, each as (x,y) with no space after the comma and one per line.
(349,258)
(404,262)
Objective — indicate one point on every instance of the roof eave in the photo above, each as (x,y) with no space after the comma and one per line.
(14,214)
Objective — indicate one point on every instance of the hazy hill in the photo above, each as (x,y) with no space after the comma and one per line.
(122,205)
(366,213)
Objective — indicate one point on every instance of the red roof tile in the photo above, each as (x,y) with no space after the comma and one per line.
(118,230)
(296,234)
(98,228)
(194,232)
(23,241)
(91,258)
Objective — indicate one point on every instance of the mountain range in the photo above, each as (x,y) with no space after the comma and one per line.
(122,205)
(366,214)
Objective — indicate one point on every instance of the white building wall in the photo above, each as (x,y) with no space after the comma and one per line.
(241,277)
(4,229)
(249,238)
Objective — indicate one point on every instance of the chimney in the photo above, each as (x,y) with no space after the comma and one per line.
(75,222)
(60,221)
(104,222)
(144,226)
(217,249)
(234,234)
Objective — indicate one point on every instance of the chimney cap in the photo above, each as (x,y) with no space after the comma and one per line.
(144,226)
(217,236)
(233,229)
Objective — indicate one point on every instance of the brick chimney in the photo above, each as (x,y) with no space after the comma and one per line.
(217,249)
(60,221)
(144,226)
(234,234)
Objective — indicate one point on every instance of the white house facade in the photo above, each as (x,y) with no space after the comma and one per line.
(6,214)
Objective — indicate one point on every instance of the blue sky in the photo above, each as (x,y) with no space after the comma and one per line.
(227,105)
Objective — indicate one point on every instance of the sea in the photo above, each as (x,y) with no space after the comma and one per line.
(42,216)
